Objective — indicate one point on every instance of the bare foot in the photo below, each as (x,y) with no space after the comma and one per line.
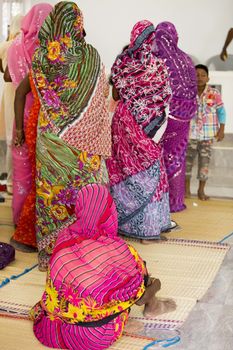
(202,196)
(150,291)
(159,306)
(188,194)
(151,241)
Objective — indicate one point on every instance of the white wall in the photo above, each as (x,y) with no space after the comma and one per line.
(202,24)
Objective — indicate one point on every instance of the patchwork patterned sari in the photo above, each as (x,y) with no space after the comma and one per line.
(182,106)
(93,279)
(74,127)
(136,170)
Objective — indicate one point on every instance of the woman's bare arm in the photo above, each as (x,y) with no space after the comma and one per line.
(1,67)
(115,94)
(7,76)
(20,97)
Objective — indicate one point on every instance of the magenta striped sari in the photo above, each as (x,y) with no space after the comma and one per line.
(93,279)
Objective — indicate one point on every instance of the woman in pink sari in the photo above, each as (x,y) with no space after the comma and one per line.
(136,170)
(19,63)
(93,279)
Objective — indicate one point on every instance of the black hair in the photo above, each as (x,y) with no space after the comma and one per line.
(202,66)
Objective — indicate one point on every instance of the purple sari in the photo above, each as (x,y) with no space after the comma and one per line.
(182,109)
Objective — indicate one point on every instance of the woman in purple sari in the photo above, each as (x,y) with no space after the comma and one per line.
(137,174)
(182,109)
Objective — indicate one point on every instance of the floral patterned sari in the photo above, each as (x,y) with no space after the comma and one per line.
(74,127)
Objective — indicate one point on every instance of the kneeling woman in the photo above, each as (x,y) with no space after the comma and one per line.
(94,278)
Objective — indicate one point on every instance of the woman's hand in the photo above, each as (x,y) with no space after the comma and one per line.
(19,138)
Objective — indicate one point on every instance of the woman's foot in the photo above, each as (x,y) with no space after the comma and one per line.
(23,247)
(157,307)
(153,287)
(202,196)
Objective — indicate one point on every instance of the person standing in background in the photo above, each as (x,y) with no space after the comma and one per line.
(19,59)
(7,102)
(182,107)
(209,123)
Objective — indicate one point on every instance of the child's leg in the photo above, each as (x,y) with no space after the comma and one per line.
(190,157)
(204,154)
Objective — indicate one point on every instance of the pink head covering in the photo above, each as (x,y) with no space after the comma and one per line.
(21,51)
(141,78)
(96,216)
(142,32)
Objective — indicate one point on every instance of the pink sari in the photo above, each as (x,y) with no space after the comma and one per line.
(94,277)
(19,63)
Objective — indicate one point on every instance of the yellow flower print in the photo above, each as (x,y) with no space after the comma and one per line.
(95,162)
(74,313)
(67,41)
(43,121)
(83,157)
(54,50)
(78,22)
(54,115)
(51,299)
(59,211)
(40,80)
(47,192)
(70,84)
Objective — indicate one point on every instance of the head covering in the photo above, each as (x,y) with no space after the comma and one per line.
(71,82)
(21,51)
(93,275)
(140,78)
(15,26)
(96,214)
(181,71)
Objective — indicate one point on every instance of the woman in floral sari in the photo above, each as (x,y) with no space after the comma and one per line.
(182,107)
(74,134)
(19,63)
(93,279)
(136,170)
